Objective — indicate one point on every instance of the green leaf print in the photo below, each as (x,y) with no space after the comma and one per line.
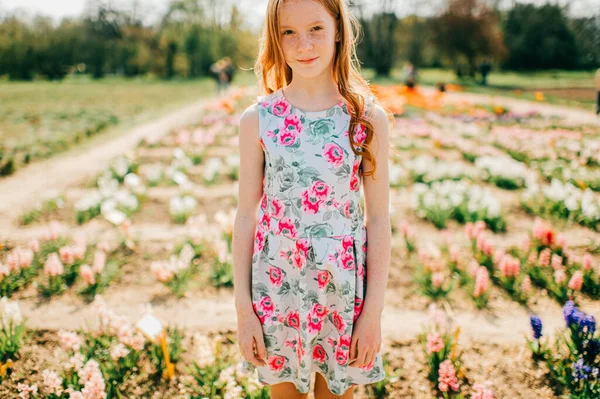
(345,288)
(312,298)
(261,289)
(272,329)
(307,175)
(327,215)
(285,289)
(319,230)
(263,112)
(330,112)
(270,341)
(286,372)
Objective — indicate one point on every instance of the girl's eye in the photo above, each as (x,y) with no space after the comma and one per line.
(287,32)
(318,28)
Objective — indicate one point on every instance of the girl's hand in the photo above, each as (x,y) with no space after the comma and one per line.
(366,339)
(250,338)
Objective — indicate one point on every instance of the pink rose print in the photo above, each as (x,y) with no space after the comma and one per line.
(323,278)
(277,208)
(298,259)
(264,202)
(360,133)
(266,305)
(259,242)
(358,304)
(314,324)
(293,319)
(345,340)
(333,154)
(319,310)
(360,271)
(287,137)
(347,209)
(319,354)
(260,314)
(354,176)
(347,260)
(320,190)
(275,276)
(276,363)
(341,356)
(292,122)
(302,245)
(287,227)
(281,108)
(338,321)
(300,350)
(347,243)
(310,204)
(265,222)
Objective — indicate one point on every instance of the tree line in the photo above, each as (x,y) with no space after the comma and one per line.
(193,34)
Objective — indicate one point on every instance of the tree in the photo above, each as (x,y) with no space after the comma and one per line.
(539,38)
(466,33)
(379,47)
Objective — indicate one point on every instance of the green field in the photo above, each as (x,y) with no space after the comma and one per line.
(40,119)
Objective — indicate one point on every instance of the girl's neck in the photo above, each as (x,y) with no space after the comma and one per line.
(315,93)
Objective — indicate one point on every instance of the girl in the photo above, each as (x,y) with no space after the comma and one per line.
(300,239)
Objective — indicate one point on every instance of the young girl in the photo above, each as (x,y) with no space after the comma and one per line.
(300,239)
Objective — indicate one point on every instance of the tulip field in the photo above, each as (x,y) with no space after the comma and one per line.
(493,288)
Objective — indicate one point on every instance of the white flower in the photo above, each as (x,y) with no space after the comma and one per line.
(10,312)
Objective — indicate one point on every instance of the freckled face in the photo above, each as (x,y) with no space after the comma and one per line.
(307,33)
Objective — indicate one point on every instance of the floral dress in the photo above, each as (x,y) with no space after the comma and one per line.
(309,259)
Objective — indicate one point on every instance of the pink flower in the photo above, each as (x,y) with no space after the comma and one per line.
(310,204)
(354,176)
(118,352)
(322,278)
(52,383)
(281,108)
(544,259)
(559,276)
(556,261)
(576,281)
(481,281)
(53,266)
(26,391)
(347,208)
(338,321)
(87,274)
(302,245)
(334,154)
(160,271)
(358,305)
(66,255)
(509,266)
(275,276)
(347,261)
(360,133)
(526,284)
(293,319)
(292,122)
(319,310)
(276,363)
(287,227)
(298,259)
(434,343)
(320,190)
(561,241)
(266,305)
(314,324)
(277,209)
(99,261)
(319,354)
(454,253)
(287,137)
(437,279)
(69,340)
(526,244)
(447,377)
(587,262)
(543,232)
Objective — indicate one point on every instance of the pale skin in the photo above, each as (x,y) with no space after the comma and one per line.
(309,31)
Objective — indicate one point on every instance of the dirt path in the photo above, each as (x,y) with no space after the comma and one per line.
(26,188)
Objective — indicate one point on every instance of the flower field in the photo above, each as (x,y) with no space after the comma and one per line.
(494,280)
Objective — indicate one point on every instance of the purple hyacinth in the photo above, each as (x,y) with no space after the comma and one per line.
(574,316)
(536,326)
(581,371)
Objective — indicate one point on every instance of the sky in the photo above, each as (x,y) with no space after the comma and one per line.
(252,9)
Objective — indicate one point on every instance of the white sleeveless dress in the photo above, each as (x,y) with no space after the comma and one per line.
(309,260)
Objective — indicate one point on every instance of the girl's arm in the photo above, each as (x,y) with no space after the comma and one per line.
(249,195)
(377,216)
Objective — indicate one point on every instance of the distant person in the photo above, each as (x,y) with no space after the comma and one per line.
(410,74)
(485,68)
(229,69)
(598,92)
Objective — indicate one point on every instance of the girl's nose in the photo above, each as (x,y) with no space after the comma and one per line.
(305,42)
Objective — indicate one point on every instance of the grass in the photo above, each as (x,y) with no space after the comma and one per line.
(40,119)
